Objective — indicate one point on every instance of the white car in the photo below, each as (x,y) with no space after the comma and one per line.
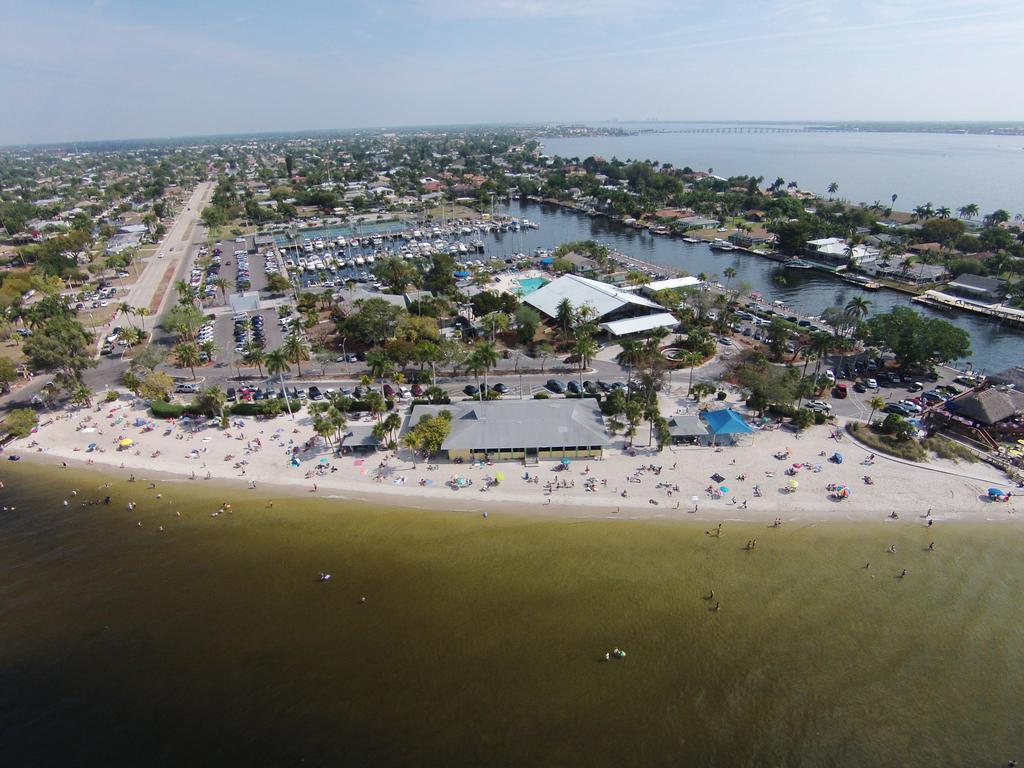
(819,405)
(831,376)
(872,383)
(911,406)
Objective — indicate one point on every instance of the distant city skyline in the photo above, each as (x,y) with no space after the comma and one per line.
(110,69)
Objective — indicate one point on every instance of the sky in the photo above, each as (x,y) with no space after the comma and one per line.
(76,70)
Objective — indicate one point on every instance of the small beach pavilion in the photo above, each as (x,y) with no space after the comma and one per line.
(727,427)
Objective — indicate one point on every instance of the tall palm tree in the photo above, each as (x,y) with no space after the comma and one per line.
(857,308)
(832,189)
(944,212)
(486,354)
(186,355)
(380,365)
(970,210)
(127,310)
(820,345)
(186,293)
(729,273)
(875,402)
(209,348)
(631,354)
(254,355)
(585,348)
(143,313)
(222,284)
(277,365)
(297,349)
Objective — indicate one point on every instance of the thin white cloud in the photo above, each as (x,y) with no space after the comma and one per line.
(550,9)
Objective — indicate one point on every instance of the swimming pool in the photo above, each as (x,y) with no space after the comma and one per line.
(528,285)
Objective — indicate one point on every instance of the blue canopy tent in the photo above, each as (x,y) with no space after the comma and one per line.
(726,422)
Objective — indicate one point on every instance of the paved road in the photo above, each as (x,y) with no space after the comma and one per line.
(173,253)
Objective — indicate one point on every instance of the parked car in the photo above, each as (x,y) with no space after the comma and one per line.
(839,391)
(872,383)
(555,386)
(231,395)
(471,390)
(574,387)
(589,388)
(859,386)
(417,390)
(820,405)
(315,393)
(389,391)
(500,388)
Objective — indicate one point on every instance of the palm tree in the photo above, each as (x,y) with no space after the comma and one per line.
(126,309)
(380,365)
(729,273)
(142,312)
(820,345)
(632,353)
(277,364)
(214,399)
(691,359)
(857,308)
(254,355)
(585,348)
(944,212)
(565,316)
(376,403)
(296,348)
(186,293)
(875,402)
(222,285)
(186,355)
(130,337)
(970,210)
(893,198)
(486,355)
(832,189)
(208,348)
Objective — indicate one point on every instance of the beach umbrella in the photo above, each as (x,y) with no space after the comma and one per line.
(499,476)
(324,461)
(723,489)
(565,462)
(794,484)
(995,492)
(126,442)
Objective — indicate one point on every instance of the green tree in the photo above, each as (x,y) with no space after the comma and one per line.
(916,340)
(62,346)
(186,355)
(254,356)
(429,434)
(212,401)
(278,283)
(527,323)
(156,385)
(296,348)
(584,350)
(876,403)
(380,365)
(21,421)
(857,308)
(8,373)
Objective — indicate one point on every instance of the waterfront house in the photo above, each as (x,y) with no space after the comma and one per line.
(754,239)
(978,288)
(581,265)
(835,251)
(695,222)
(530,430)
(904,269)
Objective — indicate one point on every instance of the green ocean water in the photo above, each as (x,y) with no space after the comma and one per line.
(481,640)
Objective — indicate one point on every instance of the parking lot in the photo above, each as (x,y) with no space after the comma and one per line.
(224,335)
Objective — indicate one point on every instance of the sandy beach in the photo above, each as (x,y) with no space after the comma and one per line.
(282,456)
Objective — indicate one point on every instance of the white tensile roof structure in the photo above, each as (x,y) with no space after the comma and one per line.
(603,298)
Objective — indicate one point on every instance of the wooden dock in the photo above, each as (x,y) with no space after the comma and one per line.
(944,301)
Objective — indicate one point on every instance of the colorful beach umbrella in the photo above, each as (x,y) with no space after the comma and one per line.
(723,489)
(565,462)
(499,476)
(794,484)
(126,442)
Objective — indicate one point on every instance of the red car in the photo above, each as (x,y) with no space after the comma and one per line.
(417,390)
(840,391)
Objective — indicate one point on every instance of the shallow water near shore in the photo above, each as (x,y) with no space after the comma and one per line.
(480,640)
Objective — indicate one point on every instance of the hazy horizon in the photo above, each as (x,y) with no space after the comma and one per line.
(114,70)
